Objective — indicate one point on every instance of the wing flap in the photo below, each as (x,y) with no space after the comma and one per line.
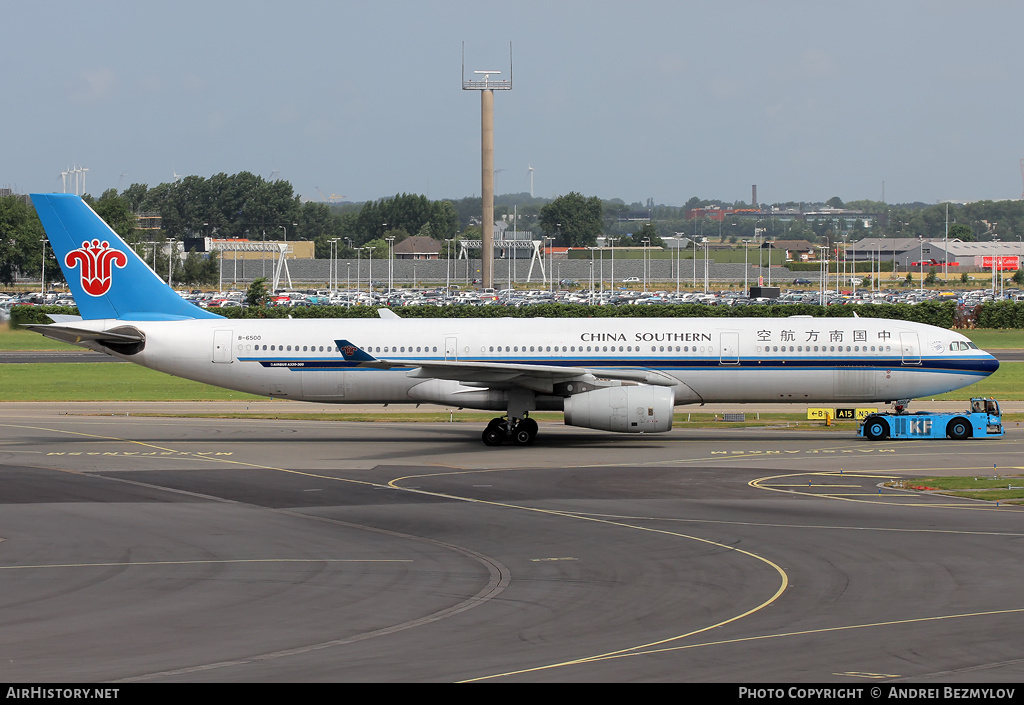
(537,376)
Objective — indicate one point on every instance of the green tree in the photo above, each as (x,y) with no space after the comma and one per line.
(408,213)
(318,223)
(574,219)
(449,249)
(228,205)
(400,233)
(199,269)
(962,232)
(21,235)
(646,231)
(444,220)
(136,196)
(380,248)
(116,212)
(256,295)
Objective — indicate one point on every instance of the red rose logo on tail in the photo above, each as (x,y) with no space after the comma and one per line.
(97,260)
(349,350)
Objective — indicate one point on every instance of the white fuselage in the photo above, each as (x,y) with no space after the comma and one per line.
(797,359)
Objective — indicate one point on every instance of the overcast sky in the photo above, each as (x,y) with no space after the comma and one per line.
(631,100)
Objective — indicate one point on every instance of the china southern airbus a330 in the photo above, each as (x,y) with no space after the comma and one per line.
(612,374)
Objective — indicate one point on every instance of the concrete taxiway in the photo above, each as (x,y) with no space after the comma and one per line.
(163,549)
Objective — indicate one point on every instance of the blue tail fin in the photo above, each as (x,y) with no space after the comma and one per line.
(106,277)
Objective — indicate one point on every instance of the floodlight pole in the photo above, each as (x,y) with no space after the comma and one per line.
(487,88)
(487,185)
(42,273)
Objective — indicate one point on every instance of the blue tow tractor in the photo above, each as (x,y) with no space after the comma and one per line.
(982,420)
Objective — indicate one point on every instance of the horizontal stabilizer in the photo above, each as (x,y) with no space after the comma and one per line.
(123,335)
(63,318)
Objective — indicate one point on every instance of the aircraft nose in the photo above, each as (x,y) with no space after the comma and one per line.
(988,363)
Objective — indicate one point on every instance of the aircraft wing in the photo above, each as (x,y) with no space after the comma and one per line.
(74,335)
(540,378)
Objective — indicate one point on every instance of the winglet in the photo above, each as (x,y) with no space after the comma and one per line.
(353,353)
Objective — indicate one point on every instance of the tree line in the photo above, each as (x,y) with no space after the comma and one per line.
(245,205)
(942,314)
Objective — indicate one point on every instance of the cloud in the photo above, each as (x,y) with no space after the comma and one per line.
(216,121)
(94,86)
(815,64)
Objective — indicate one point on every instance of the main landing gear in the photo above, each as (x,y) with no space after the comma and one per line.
(518,431)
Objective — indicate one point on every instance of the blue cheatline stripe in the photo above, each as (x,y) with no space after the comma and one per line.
(933,366)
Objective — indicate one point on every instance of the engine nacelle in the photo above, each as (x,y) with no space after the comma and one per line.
(638,409)
(451,393)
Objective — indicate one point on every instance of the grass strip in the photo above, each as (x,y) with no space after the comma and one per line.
(1013,496)
(103,381)
(992,488)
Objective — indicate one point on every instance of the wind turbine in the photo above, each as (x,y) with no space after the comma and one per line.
(75,171)
(177,177)
(530,170)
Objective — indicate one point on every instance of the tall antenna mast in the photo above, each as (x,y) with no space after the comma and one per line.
(487,87)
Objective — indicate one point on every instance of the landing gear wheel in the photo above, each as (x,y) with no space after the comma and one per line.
(959,429)
(524,432)
(497,432)
(521,437)
(876,429)
(493,435)
(530,426)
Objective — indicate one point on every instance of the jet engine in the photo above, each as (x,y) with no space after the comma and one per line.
(635,409)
